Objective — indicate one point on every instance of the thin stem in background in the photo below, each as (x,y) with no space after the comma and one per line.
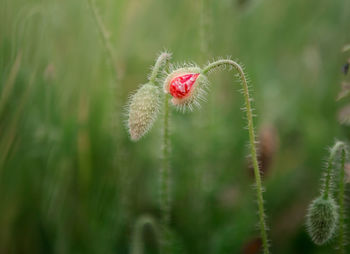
(116,90)
(105,39)
(249,115)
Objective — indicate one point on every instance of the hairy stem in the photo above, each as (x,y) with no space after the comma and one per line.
(341,203)
(165,169)
(162,61)
(165,180)
(326,191)
(249,115)
(164,185)
(328,177)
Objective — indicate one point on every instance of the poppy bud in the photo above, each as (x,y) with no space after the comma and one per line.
(322,219)
(143,110)
(187,87)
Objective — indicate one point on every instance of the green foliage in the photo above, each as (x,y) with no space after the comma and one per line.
(71,181)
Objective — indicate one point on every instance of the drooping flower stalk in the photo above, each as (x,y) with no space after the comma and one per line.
(339,146)
(161,63)
(143,110)
(324,214)
(144,105)
(248,109)
(187,85)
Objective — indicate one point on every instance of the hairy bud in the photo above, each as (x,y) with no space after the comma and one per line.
(187,87)
(143,110)
(322,220)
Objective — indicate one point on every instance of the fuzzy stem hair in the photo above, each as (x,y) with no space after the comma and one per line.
(163,60)
(326,192)
(165,201)
(164,185)
(259,188)
(341,238)
(165,170)
(328,177)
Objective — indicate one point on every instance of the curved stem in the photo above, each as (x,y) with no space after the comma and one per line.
(327,182)
(326,192)
(341,204)
(162,60)
(249,115)
(137,241)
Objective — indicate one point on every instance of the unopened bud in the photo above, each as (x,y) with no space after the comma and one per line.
(322,219)
(187,87)
(143,110)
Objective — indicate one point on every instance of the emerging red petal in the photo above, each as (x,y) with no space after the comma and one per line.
(181,86)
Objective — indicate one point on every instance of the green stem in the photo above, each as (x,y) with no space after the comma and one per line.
(164,184)
(162,60)
(165,169)
(165,181)
(341,204)
(326,189)
(249,115)
(339,146)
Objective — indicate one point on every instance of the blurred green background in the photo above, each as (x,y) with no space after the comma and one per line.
(71,181)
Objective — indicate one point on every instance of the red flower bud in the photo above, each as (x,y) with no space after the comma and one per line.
(181,86)
(186,86)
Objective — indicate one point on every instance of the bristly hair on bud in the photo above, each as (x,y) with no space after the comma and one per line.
(325,215)
(322,219)
(187,85)
(143,110)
